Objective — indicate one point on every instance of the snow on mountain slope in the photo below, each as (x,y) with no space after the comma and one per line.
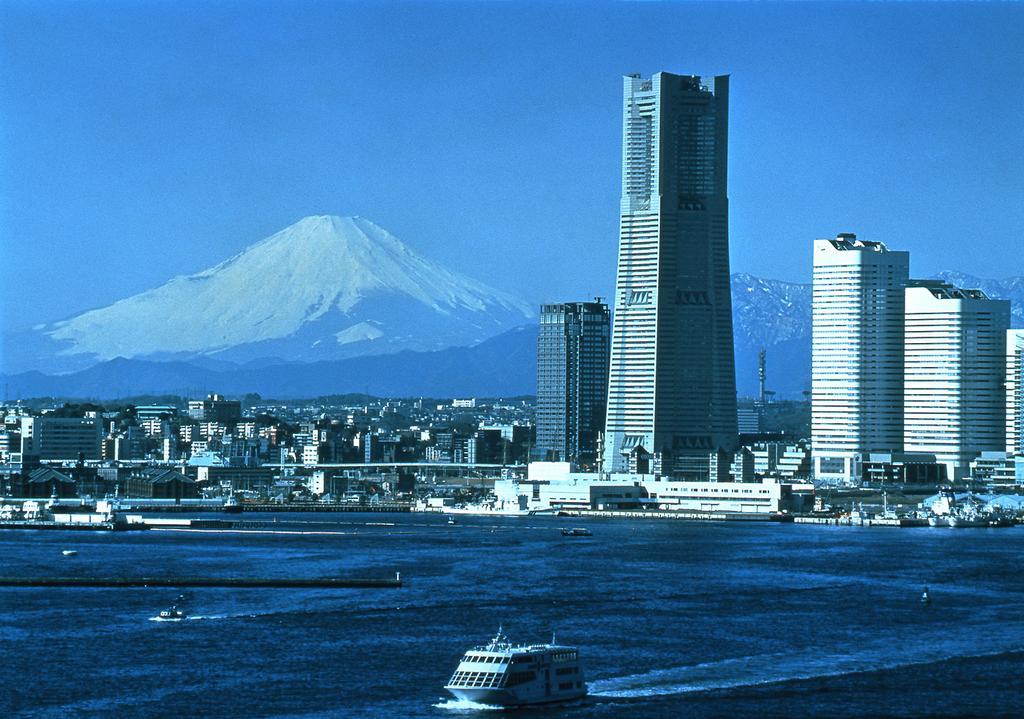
(324,288)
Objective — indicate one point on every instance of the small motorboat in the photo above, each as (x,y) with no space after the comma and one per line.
(70,552)
(451,520)
(231,505)
(173,613)
(576,532)
(925,597)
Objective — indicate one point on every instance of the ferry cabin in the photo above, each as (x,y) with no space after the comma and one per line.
(524,675)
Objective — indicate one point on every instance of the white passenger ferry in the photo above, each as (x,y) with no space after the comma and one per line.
(505,674)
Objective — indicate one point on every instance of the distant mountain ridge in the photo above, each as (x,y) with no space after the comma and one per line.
(767,313)
(502,366)
(324,288)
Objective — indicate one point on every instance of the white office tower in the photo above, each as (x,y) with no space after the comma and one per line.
(856,354)
(954,380)
(672,382)
(1015,391)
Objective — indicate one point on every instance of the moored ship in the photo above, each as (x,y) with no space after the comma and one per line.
(504,674)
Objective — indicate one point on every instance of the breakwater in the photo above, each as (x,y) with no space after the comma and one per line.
(194,582)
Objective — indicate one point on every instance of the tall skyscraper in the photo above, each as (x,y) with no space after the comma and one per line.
(572,381)
(672,383)
(1015,391)
(856,354)
(954,379)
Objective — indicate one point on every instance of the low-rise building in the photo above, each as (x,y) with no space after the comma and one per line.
(249,479)
(551,485)
(902,468)
(995,467)
(161,483)
(43,482)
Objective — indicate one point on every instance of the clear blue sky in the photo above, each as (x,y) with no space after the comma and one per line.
(139,140)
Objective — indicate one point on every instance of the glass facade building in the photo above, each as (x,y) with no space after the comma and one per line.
(572,381)
(672,383)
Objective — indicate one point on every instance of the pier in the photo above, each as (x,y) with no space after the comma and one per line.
(195,582)
(110,526)
(678,514)
(152,507)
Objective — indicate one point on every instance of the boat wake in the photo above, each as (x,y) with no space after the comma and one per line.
(199,617)
(777,668)
(464,705)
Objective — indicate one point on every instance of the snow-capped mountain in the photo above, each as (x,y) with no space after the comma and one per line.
(1011,288)
(777,316)
(774,315)
(767,312)
(325,288)
(331,289)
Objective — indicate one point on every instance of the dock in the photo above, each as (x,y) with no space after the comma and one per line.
(677,514)
(196,582)
(136,505)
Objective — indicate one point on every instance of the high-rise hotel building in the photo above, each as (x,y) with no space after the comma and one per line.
(572,381)
(672,384)
(1015,391)
(857,354)
(954,394)
(903,366)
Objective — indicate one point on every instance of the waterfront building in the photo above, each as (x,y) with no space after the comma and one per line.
(161,483)
(43,482)
(1015,391)
(672,383)
(879,468)
(234,479)
(994,468)
(856,354)
(552,485)
(62,438)
(572,380)
(954,380)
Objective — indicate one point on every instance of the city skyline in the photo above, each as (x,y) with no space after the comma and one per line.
(312,322)
(192,156)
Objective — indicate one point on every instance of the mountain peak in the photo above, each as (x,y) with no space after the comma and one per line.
(322,288)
